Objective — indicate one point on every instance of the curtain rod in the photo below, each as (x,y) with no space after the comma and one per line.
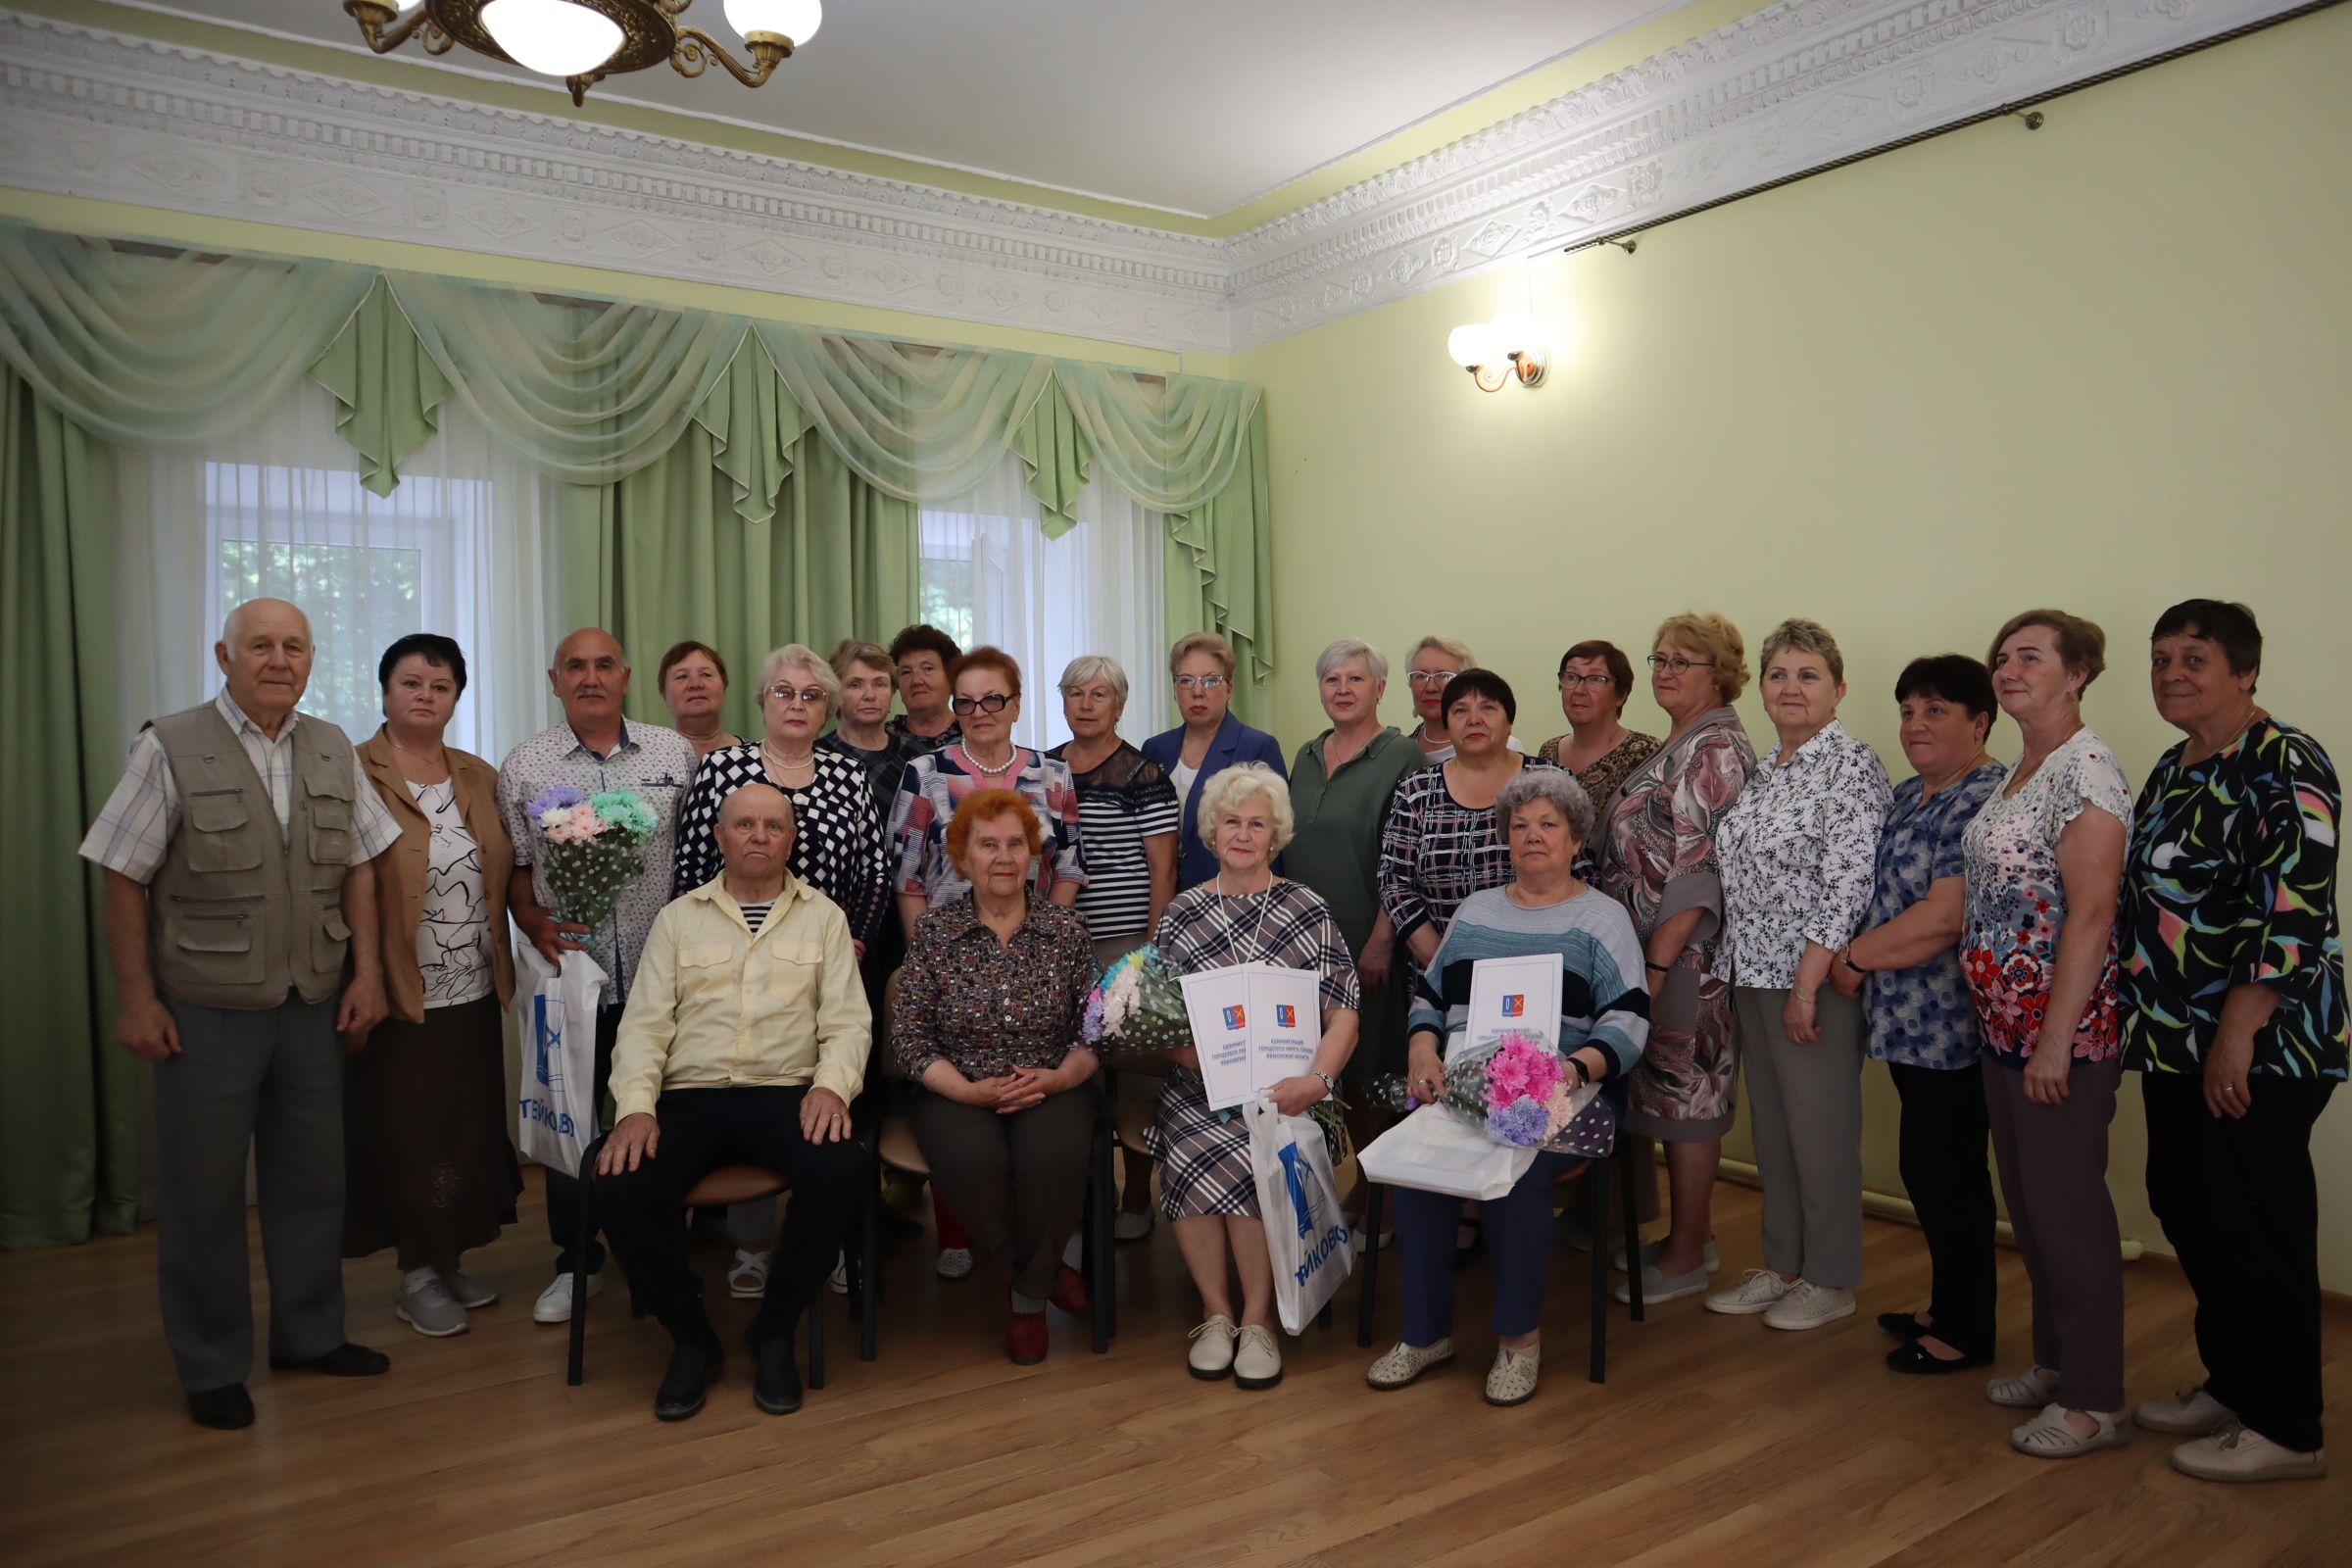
(2023,106)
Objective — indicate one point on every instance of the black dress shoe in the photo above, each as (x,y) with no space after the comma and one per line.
(775,1375)
(1914,1359)
(345,1360)
(692,1367)
(1902,1325)
(225,1410)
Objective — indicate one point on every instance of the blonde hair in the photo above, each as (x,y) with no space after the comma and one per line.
(1227,790)
(1202,642)
(1452,648)
(799,655)
(849,651)
(1805,637)
(2081,645)
(1704,633)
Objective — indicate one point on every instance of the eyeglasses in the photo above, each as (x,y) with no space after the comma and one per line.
(812,695)
(1570,683)
(1430,677)
(1678,665)
(1200,683)
(993,703)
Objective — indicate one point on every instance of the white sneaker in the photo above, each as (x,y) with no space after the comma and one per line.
(2237,1454)
(1656,1287)
(955,1262)
(746,1281)
(554,1302)
(1651,1250)
(431,1309)
(1257,1359)
(1212,1356)
(1755,1294)
(2190,1413)
(1131,1226)
(1809,1305)
(839,1279)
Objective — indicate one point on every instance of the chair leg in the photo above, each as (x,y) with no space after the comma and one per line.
(1597,1216)
(576,1370)
(865,1269)
(1632,1232)
(1364,1297)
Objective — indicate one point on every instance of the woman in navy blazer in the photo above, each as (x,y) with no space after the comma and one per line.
(1209,741)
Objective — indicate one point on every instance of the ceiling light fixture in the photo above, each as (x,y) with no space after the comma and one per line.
(584,41)
(1495,352)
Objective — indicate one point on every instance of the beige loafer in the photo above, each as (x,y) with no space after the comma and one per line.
(1407,1362)
(1257,1359)
(1512,1380)
(1211,1354)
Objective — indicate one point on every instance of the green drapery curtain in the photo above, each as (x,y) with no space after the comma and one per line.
(68,1096)
(750,482)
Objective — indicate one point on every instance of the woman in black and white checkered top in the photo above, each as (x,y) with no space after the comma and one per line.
(1244,914)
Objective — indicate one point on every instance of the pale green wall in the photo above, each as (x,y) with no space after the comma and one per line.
(2106,364)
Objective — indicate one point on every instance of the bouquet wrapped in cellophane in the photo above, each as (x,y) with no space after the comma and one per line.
(588,847)
(1136,1010)
(1516,1090)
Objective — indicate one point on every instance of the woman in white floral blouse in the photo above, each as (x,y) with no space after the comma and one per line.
(1799,858)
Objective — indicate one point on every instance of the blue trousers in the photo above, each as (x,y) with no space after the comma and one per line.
(1518,1232)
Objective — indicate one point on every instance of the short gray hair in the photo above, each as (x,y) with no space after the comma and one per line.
(1556,785)
(1228,789)
(799,655)
(1087,668)
(1376,662)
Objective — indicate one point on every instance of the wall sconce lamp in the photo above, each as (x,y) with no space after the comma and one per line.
(1493,352)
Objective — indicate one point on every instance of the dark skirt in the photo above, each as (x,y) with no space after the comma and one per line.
(429,1168)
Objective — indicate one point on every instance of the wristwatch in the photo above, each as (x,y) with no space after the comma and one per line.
(1331,1086)
(1845,956)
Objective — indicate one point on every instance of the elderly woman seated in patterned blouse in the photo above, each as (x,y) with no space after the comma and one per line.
(987,1023)
(1208,1189)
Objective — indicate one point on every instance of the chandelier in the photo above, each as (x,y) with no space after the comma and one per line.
(584,41)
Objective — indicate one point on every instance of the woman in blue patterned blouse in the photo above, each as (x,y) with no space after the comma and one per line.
(1922,1023)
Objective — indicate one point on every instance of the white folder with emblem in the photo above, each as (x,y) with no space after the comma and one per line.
(1254,1024)
(1511,995)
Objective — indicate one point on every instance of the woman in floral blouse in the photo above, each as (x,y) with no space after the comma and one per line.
(1798,853)
(2044,858)
(987,1023)
(2234,1011)
(1922,1023)
(1657,859)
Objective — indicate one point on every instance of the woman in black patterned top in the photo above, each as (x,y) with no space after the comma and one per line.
(1208,1189)
(837,839)
(867,684)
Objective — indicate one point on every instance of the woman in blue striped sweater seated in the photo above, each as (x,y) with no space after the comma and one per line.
(1545,815)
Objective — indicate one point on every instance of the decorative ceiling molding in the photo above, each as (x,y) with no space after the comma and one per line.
(1788,89)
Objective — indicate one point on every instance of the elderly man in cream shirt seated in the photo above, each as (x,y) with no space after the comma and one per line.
(744,1042)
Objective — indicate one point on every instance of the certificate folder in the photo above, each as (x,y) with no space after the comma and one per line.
(1254,1024)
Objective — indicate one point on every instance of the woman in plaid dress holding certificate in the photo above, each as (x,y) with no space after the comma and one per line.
(1208,1190)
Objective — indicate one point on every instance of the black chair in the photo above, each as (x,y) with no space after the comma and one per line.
(729,1184)
(1597,1218)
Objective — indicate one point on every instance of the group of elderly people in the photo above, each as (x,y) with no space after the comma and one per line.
(2009,939)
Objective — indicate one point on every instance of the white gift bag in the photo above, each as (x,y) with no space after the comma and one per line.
(1299,1204)
(558,1057)
(1435,1150)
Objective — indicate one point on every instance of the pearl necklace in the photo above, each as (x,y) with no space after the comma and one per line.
(982,768)
(776,763)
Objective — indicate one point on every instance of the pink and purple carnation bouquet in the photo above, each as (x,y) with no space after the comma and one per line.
(1515,1089)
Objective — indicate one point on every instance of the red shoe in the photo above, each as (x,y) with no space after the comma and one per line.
(1070,1293)
(1026,1338)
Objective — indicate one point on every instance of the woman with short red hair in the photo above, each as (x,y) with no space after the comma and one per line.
(987,1023)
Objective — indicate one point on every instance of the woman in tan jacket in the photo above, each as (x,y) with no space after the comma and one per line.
(428,1166)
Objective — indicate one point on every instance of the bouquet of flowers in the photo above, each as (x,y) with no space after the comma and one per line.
(589,846)
(1138,1005)
(1515,1089)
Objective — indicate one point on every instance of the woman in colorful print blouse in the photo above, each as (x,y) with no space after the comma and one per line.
(2234,1009)
(2044,858)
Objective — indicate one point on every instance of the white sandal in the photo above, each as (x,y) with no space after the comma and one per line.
(746,1281)
(2051,1435)
(2030,1390)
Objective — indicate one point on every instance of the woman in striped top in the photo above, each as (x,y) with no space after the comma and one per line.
(1545,816)
(1128,814)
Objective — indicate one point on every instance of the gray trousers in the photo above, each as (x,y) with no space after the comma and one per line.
(2053,1164)
(1804,1109)
(1017,1182)
(271,1081)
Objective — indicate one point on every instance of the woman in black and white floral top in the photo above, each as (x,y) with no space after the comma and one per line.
(1799,854)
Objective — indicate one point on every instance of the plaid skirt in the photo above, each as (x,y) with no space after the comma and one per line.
(1205,1159)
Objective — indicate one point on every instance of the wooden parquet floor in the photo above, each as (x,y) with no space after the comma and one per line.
(1715,1441)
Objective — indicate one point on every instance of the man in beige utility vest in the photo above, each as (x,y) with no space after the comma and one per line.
(236,852)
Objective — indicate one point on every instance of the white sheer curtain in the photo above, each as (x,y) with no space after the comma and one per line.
(991,576)
(464,547)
